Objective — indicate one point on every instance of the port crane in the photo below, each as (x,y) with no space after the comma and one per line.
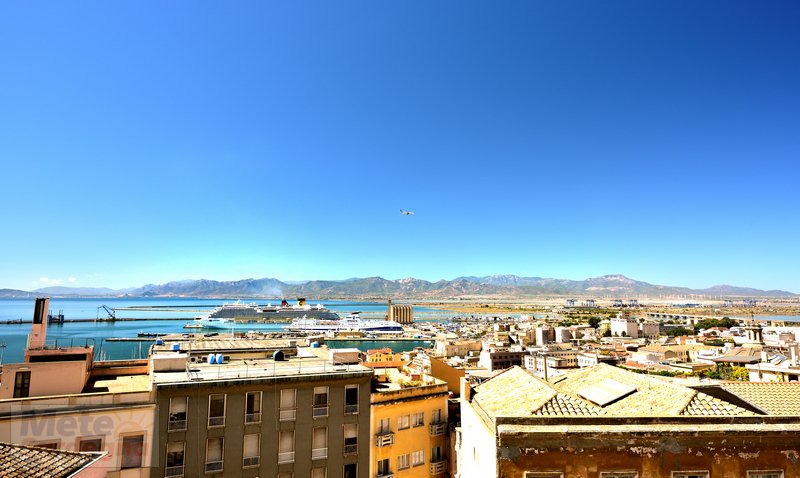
(112,314)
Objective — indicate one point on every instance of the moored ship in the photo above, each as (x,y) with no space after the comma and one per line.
(254,313)
(352,322)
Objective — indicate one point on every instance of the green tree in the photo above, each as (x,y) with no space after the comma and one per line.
(594,322)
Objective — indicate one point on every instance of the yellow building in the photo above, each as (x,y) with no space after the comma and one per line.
(409,425)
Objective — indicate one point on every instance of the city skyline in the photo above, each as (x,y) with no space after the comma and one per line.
(565,140)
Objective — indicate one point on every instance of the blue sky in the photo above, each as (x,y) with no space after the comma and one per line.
(153,141)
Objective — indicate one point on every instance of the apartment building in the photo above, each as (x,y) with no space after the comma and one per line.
(259,408)
(409,425)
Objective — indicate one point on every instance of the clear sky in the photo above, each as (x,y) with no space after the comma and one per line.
(143,142)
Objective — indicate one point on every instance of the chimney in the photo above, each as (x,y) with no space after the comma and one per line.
(38,335)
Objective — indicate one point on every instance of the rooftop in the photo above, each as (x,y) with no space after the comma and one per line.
(774,398)
(18,461)
(601,390)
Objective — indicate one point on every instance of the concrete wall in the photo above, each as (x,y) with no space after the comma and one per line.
(47,378)
(477,456)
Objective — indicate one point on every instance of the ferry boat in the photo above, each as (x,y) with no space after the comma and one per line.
(352,322)
(230,324)
(252,312)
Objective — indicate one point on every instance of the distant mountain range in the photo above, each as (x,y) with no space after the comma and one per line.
(611,286)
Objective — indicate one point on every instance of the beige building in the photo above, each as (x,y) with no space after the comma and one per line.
(403,314)
(267,410)
(60,398)
(409,425)
(606,422)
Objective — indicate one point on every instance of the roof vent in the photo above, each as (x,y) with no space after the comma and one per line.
(606,392)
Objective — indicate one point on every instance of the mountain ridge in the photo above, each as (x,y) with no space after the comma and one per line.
(611,285)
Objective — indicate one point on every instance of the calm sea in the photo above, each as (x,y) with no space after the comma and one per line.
(13,337)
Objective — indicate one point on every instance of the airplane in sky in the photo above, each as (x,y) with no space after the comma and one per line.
(407,213)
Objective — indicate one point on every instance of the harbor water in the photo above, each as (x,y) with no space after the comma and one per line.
(179,311)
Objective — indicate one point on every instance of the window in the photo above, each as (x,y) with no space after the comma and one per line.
(350,438)
(132,447)
(214,452)
(90,444)
(175,455)
(320,402)
(403,461)
(383,467)
(53,445)
(286,446)
(319,443)
(216,410)
(22,384)
(177,414)
(544,474)
(252,450)
(319,472)
(417,458)
(418,419)
(765,474)
(403,422)
(689,474)
(384,426)
(288,407)
(350,470)
(436,416)
(285,475)
(351,399)
(619,474)
(436,453)
(252,407)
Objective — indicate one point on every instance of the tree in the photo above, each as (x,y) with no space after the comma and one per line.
(594,322)
(607,333)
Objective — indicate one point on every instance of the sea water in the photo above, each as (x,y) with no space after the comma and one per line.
(13,337)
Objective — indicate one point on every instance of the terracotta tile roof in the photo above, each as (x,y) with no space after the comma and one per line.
(774,398)
(601,390)
(566,405)
(706,405)
(18,461)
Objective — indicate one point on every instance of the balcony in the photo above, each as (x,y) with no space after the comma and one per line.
(350,409)
(252,418)
(176,426)
(351,449)
(286,457)
(216,421)
(438,467)
(385,475)
(384,439)
(173,471)
(320,411)
(251,461)
(213,467)
(288,414)
(319,453)
(438,428)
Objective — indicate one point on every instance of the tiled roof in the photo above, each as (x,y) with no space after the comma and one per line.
(775,398)
(565,405)
(706,405)
(516,393)
(18,461)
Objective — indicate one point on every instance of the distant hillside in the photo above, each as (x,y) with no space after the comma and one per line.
(616,286)
(16,294)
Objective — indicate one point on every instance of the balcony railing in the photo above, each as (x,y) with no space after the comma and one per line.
(438,428)
(216,421)
(213,466)
(173,471)
(176,425)
(351,408)
(438,467)
(288,414)
(252,418)
(320,411)
(251,461)
(384,439)
(319,453)
(385,475)
(351,449)
(286,457)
